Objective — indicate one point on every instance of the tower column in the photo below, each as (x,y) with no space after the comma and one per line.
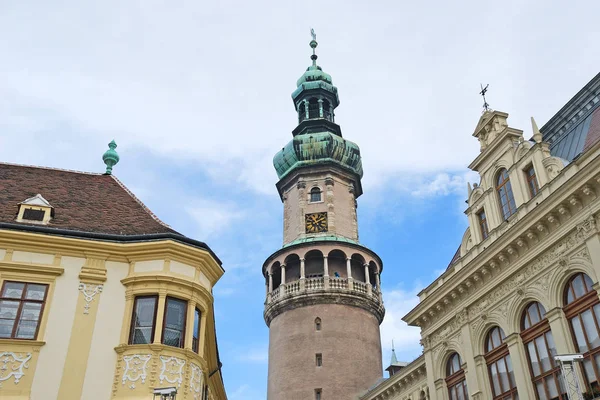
(325,272)
(282,274)
(270,281)
(349,273)
(320,108)
(302,275)
(368,280)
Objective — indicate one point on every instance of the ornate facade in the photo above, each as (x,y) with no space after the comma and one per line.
(98,298)
(523,285)
(324,304)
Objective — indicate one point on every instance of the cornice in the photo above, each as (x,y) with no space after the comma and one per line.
(326,296)
(407,379)
(538,228)
(113,251)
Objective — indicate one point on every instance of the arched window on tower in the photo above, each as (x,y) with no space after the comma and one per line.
(313,108)
(582,309)
(455,379)
(315,195)
(539,343)
(327,112)
(301,112)
(502,378)
(505,194)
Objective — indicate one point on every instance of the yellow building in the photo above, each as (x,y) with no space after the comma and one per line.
(99,299)
(523,286)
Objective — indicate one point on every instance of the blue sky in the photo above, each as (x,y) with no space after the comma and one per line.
(197,96)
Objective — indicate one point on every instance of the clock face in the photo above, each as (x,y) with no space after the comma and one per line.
(316,222)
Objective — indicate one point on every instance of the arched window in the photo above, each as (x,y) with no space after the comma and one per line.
(327,114)
(455,379)
(539,343)
(505,194)
(313,108)
(317,324)
(582,308)
(301,112)
(502,378)
(422,395)
(315,195)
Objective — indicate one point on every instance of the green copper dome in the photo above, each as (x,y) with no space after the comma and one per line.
(314,73)
(318,148)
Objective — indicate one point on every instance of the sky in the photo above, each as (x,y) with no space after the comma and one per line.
(197,97)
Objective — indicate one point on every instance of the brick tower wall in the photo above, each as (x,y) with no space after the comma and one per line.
(349,342)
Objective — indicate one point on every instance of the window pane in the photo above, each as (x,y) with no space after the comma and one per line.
(6,327)
(540,345)
(510,371)
(581,343)
(174,322)
(459,390)
(142,335)
(503,374)
(533,359)
(197,324)
(551,384)
(31,311)
(541,391)
(8,309)
(495,379)
(26,329)
(590,328)
(578,286)
(35,292)
(144,312)
(13,290)
(552,347)
(589,370)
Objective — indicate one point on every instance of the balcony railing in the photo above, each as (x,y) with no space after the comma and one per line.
(322,284)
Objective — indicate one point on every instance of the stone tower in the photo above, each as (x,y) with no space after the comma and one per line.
(324,304)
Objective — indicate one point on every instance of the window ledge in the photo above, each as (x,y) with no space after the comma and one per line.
(21,343)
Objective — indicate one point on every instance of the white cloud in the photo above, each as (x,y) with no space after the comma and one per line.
(213,217)
(398,302)
(444,184)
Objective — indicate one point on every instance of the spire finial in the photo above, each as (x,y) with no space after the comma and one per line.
(313,45)
(486,106)
(537,135)
(394,359)
(110,157)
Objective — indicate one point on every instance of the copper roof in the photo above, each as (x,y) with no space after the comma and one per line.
(82,201)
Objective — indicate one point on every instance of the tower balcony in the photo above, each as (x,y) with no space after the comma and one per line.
(322,290)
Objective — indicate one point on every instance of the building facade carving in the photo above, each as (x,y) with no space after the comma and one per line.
(524,246)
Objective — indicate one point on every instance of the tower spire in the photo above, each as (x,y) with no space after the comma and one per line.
(394,359)
(313,45)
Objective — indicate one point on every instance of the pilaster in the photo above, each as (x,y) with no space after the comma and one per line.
(520,365)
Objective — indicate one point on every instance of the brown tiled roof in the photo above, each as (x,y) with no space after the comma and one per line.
(82,201)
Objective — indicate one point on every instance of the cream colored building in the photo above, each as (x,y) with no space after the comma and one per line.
(98,298)
(523,285)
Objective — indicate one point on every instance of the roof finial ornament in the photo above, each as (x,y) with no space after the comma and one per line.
(313,44)
(394,359)
(110,157)
(486,106)
(537,135)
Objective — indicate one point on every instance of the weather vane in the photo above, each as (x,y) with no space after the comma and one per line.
(313,34)
(486,106)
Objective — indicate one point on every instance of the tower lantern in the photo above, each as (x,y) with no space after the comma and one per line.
(324,303)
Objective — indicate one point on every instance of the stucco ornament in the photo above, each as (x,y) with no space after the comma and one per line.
(196,382)
(12,365)
(171,370)
(135,369)
(89,291)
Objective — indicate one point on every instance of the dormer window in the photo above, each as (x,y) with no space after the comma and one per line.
(505,194)
(35,210)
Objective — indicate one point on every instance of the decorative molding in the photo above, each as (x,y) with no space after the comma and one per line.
(135,369)
(12,365)
(89,290)
(171,370)
(196,382)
